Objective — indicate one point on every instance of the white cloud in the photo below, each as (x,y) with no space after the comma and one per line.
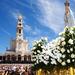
(35,31)
(74,0)
(14,15)
(21,3)
(52,14)
(27,28)
(5,31)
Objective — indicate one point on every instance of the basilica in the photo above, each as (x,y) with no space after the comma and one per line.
(18,51)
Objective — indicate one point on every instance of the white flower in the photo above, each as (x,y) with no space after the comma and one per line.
(70,41)
(72,55)
(63,43)
(37,61)
(33,48)
(46,57)
(58,43)
(35,42)
(58,47)
(42,46)
(45,62)
(62,39)
(35,53)
(63,56)
(71,49)
(66,28)
(68,60)
(71,32)
(59,60)
(34,59)
(73,60)
(38,51)
(62,50)
(53,61)
(68,51)
(39,44)
(63,63)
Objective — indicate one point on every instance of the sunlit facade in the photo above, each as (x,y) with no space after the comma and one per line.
(18,51)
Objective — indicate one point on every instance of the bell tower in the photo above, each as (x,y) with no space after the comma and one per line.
(19,33)
(67,12)
(21,43)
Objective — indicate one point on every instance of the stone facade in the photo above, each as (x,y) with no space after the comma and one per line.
(18,51)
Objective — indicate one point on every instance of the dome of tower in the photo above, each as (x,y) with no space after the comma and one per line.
(19,17)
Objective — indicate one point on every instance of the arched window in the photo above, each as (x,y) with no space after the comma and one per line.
(19,30)
(0,57)
(13,58)
(20,24)
(19,58)
(29,58)
(25,58)
(8,57)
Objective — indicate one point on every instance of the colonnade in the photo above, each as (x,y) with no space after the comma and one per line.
(14,58)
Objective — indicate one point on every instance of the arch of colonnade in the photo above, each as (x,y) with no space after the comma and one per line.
(14,58)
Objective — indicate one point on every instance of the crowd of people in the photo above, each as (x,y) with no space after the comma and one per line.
(16,70)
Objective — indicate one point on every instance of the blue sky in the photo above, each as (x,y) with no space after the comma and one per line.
(41,18)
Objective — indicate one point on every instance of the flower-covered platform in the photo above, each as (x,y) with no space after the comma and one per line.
(57,56)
